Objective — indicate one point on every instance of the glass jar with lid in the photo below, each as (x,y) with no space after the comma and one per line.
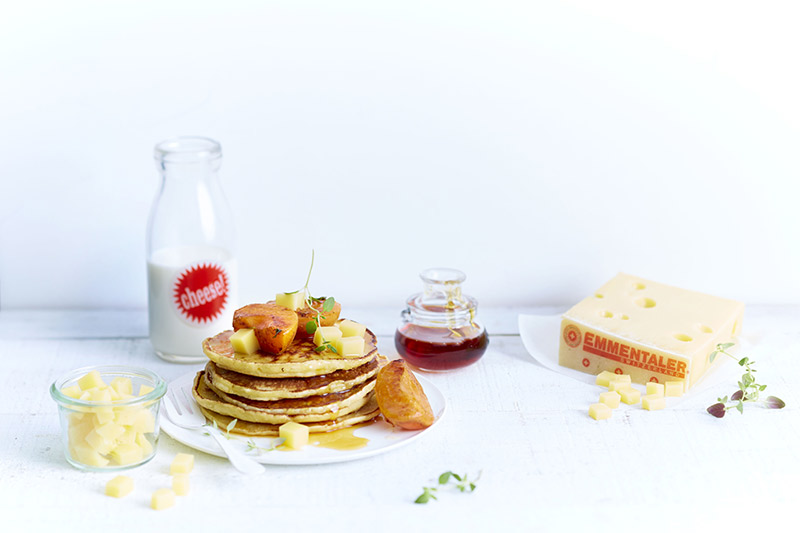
(440,329)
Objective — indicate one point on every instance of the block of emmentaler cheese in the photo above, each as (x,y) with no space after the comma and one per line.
(654,332)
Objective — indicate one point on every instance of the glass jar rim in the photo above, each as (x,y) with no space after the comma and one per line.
(159,386)
(187,149)
(442,275)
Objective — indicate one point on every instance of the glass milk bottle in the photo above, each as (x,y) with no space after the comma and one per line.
(191,266)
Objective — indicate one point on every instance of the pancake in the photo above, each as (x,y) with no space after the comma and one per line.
(298,360)
(254,429)
(325,403)
(256,388)
(209,399)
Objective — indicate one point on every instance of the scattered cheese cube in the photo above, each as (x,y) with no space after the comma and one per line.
(145,389)
(349,346)
(327,334)
(244,341)
(182,464)
(291,300)
(91,380)
(673,388)
(604,378)
(295,435)
(630,395)
(654,388)
(119,487)
(610,398)
(653,402)
(162,499)
(352,329)
(599,411)
(180,484)
(618,385)
(123,386)
(624,378)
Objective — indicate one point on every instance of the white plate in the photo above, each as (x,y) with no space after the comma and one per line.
(382,436)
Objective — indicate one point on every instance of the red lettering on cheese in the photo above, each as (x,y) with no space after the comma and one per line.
(626,354)
(200,293)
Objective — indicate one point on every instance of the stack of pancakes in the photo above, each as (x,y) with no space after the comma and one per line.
(321,390)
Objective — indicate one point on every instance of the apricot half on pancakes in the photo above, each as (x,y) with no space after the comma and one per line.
(400,397)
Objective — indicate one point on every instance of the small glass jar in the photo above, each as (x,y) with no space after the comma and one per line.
(113,426)
(439,330)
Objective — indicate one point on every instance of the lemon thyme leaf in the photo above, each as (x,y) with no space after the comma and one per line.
(749,388)
(449,479)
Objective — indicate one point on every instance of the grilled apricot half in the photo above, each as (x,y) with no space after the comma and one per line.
(400,397)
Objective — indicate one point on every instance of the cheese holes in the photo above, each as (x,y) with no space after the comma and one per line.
(606,314)
(598,295)
(683,337)
(704,328)
(639,286)
(624,317)
(645,302)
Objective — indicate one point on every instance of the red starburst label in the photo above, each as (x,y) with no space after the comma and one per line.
(200,293)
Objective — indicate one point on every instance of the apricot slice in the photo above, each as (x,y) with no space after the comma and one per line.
(306,314)
(275,326)
(400,397)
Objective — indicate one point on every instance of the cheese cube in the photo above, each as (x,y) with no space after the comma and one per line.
(180,484)
(100,444)
(653,388)
(83,453)
(123,386)
(145,422)
(119,487)
(327,334)
(127,454)
(621,378)
(125,416)
(604,378)
(103,415)
(100,395)
(244,341)
(291,300)
(162,499)
(352,329)
(673,388)
(610,398)
(630,395)
(182,464)
(653,402)
(144,443)
(145,389)
(647,329)
(92,380)
(618,385)
(110,430)
(73,391)
(599,411)
(353,346)
(295,435)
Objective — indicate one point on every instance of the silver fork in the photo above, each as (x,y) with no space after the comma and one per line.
(186,415)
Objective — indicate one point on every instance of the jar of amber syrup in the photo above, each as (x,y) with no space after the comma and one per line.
(439,330)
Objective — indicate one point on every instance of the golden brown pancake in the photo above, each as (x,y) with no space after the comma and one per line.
(333,402)
(256,388)
(299,360)
(319,411)
(254,429)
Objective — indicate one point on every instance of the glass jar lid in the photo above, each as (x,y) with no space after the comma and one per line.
(442,302)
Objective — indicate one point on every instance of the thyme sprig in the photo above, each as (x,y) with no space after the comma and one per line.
(749,389)
(327,302)
(457,482)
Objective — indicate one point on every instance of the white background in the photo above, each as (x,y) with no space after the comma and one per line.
(539,147)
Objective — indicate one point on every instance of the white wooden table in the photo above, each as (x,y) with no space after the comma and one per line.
(545,464)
